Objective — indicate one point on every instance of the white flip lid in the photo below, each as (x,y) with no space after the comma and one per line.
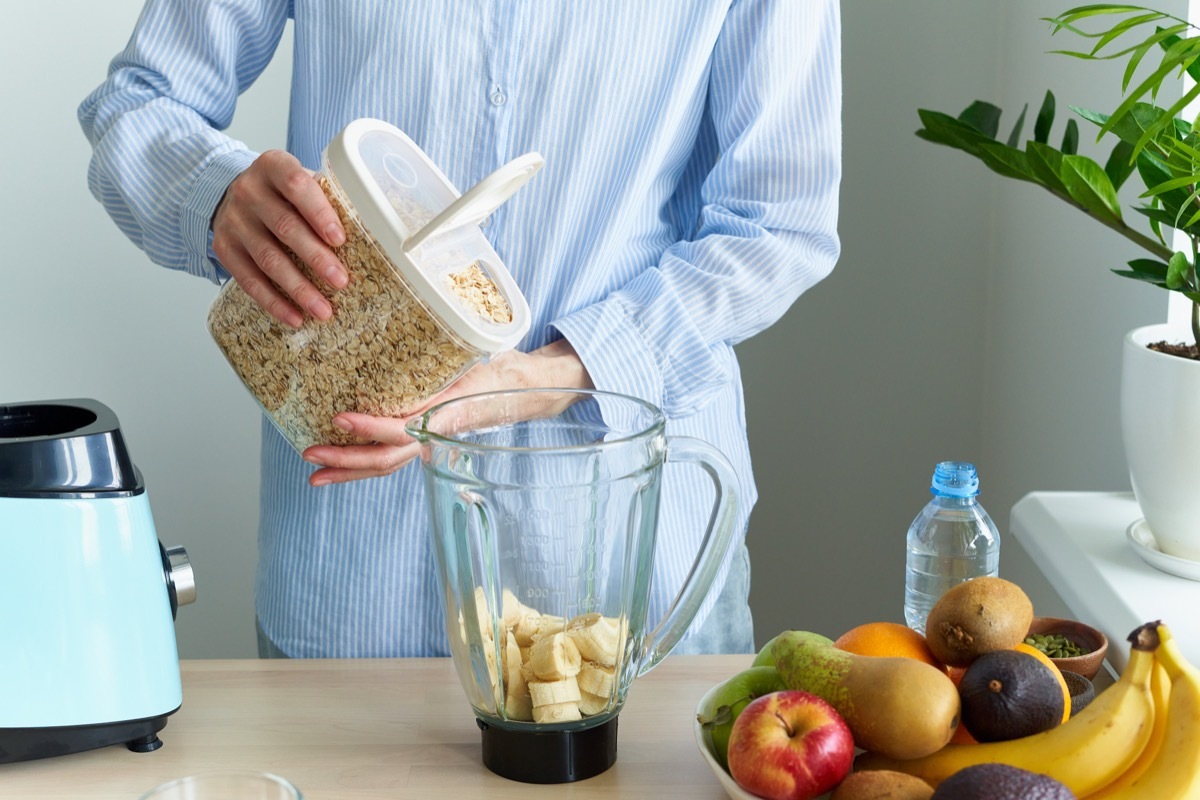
(425,228)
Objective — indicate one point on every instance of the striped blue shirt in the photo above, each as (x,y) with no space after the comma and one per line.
(689,196)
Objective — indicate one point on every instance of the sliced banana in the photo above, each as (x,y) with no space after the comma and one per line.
(549,693)
(555,657)
(596,678)
(512,609)
(548,625)
(591,704)
(559,712)
(483,614)
(526,627)
(518,704)
(597,637)
(553,670)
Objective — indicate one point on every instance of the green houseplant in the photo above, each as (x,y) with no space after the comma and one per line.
(1155,144)
(1160,374)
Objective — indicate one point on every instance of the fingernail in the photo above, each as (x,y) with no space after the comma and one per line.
(320,482)
(333,234)
(314,460)
(335,276)
(343,424)
(320,309)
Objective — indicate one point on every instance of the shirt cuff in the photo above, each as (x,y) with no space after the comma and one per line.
(614,352)
(199,206)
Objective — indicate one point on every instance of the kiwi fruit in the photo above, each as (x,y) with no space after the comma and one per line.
(881,784)
(976,617)
(1000,782)
(1007,694)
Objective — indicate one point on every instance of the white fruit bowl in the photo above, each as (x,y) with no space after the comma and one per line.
(704,742)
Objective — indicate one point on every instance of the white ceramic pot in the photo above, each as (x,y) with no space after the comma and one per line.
(1160,426)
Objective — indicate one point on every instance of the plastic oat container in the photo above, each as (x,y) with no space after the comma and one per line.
(428,297)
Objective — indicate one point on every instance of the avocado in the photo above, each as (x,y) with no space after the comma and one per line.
(1000,782)
(1007,694)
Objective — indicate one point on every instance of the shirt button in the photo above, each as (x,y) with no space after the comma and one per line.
(485,222)
(498,98)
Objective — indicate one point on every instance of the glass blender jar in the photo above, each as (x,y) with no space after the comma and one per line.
(544,507)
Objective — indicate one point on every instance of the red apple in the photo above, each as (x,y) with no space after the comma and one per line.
(790,745)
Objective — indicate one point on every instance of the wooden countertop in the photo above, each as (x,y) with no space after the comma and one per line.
(356,729)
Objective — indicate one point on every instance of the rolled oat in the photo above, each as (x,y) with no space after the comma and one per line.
(381,353)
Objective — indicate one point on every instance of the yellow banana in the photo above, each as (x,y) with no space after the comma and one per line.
(1174,774)
(1085,753)
(1160,689)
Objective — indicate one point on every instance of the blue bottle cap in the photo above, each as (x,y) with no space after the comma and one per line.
(955,479)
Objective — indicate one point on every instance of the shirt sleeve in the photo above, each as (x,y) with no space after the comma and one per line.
(160,163)
(767,227)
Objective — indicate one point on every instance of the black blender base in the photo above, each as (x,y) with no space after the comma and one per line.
(549,756)
(28,744)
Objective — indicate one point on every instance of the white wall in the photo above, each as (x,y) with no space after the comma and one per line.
(969,318)
(85,314)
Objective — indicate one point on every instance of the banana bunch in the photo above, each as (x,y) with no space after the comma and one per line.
(1169,767)
(1140,738)
(554,669)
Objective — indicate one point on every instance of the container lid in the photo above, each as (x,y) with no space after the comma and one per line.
(481,199)
(426,229)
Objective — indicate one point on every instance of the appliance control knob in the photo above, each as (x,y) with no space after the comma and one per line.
(181,576)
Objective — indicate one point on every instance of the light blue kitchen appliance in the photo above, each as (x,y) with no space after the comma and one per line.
(88,595)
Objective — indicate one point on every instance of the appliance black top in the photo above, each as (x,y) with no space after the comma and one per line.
(64,448)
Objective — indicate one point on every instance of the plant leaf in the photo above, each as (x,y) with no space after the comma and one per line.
(1190,95)
(1090,187)
(1082,12)
(1170,41)
(1120,164)
(1070,143)
(1170,61)
(1046,165)
(1150,268)
(1177,269)
(983,117)
(1045,119)
(1138,276)
(1154,171)
(944,129)
(1160,216)
(1014,138)
(1166,36)
(1007,161)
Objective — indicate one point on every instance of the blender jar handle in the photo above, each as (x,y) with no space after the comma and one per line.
(713,547)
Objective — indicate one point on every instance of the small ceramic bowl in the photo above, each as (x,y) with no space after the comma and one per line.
(1081,689)
(1093,642)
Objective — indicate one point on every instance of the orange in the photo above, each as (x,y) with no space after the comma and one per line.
(887,639)
(961,734)
(1045,659)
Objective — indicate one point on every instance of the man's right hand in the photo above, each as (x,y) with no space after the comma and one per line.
(275,206)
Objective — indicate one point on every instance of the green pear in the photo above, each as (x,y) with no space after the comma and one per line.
(729,700)
(766,656)
(900,706)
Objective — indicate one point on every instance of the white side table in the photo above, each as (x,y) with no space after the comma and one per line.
(1078,540)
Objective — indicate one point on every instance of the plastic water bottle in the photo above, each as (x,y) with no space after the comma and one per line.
(952,540)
